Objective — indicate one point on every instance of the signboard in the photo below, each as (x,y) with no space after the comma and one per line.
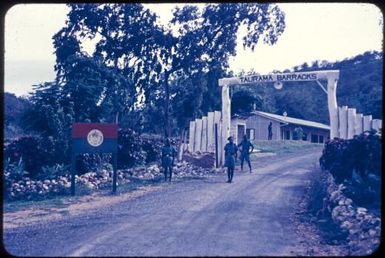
(280,77)
(94,138)
(305,76)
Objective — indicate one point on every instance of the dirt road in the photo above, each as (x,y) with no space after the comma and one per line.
(252,216)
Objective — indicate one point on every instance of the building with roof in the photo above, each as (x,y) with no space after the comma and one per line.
(255,125)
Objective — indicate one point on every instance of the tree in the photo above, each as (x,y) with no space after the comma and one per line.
(245,100)
(153,56)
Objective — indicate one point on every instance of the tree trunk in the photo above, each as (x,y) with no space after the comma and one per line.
(167,104)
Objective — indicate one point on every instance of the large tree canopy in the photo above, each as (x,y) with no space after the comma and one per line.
(193,49)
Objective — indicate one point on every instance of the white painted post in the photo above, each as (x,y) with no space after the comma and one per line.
(376,124)
(351,120)
(220,145)
(358,125)
(185,145)
(332,104)
(210,132)
(218,121)
(204,134)
(191,137)
(367,122)
(226,119)
(198,135)
(343,122)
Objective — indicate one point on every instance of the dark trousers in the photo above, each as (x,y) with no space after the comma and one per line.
(230,173)
(167,170)
(247,158)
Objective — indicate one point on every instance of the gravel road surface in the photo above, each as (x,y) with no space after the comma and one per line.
(253,216)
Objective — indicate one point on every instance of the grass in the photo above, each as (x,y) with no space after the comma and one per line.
(284,146)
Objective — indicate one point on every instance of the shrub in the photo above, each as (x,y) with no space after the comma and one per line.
(52,172)
(87,162)
(41,155)
(130,152)
(14,171)
(356,163)
(36,152)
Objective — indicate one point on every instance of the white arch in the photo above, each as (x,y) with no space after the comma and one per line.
(331,76)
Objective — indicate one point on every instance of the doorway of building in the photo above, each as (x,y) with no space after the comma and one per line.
(241,131)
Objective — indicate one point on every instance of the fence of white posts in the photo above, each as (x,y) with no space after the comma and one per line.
(351,123)
(202,133)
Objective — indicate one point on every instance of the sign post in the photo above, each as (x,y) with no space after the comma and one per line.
(94,138)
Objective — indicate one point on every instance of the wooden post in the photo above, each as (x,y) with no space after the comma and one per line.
(358,125)
(217,120)
(210,132)
(367,122)
(191,137)
(185,145)
(181,146)
(204,134)
(343,122)
(332,104)
(198,135)
(73,167)
(376,124)
(351,120)
(226,117)
(216,145)
(220,145)
(115,168)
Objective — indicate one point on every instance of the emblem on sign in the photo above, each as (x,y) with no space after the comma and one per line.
(95,137)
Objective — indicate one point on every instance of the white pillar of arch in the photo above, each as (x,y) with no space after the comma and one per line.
(332,79)
(226,118)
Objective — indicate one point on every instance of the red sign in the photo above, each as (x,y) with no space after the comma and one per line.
(81,130)
(94,137)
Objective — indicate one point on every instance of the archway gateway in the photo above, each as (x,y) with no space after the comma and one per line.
(331,76)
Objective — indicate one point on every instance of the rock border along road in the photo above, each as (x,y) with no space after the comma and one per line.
(252,216)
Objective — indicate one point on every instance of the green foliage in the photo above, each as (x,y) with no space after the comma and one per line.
(35,152)
(356,163)
(152,57)
(130,151)
(14,171)
(52,172)
(14,110)
(245,100)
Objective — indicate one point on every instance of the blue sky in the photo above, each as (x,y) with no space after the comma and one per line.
(313,32)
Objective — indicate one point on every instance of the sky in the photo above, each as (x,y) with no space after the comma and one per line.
(314,31)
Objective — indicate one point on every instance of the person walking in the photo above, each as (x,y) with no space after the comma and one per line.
(245,151)
(168,156)
(230,156)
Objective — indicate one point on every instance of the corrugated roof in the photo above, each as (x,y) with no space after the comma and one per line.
(291,120)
